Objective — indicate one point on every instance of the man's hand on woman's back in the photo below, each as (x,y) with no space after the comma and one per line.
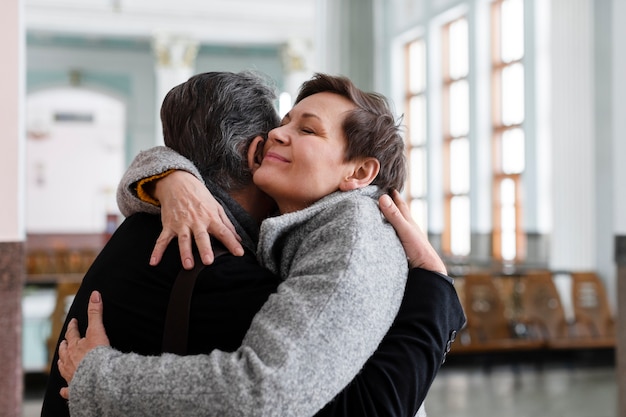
(419,251)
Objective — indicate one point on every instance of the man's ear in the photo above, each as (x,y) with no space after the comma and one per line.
(255,153)
(363,174)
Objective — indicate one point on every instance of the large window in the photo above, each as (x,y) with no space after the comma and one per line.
(416,122)
(508,133)
(456,124)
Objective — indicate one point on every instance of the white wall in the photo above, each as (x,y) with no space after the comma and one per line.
(572,136)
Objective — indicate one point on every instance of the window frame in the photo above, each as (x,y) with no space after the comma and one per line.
(498,129)
(448,139)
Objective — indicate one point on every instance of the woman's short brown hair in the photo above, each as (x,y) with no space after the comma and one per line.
(371,129)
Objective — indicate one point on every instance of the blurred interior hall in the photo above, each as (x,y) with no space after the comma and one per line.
(515,122)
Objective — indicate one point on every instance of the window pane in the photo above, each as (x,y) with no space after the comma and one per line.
(459,166)
(460,226)
(513,160)
(417,65)
(459,54)
(508,219)
(507,192)
(512,30)
(284,103)
(419,212)
(459,108)
(418,172)
(508,248)
(513,94)
(417,120)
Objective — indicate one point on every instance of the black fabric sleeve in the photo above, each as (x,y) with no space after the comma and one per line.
(395,380)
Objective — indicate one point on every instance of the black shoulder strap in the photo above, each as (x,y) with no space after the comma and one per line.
(176,327)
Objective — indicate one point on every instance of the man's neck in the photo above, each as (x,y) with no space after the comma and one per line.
(258,204)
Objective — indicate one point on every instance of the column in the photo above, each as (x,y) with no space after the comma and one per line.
(620,260)
(348,46)
(573,150)
(175,63)
(618,104)
(11,220)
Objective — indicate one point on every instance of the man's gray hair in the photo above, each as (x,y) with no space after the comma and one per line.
(212,118)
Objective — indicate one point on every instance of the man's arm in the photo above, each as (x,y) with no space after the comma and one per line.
(396,379)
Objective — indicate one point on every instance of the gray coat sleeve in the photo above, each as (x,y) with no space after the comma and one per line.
(146,164)
(308,341)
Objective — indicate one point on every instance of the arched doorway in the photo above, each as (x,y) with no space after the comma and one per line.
(74,159)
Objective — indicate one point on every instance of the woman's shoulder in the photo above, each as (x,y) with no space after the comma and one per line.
(358,206)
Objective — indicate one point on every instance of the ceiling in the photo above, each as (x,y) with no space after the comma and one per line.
(211,22)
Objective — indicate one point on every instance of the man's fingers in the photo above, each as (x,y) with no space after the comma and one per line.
(391,211)
(418,250)
(72,333)
(62,351)
(401,204)
(65,393)
(95,327)
(63,362)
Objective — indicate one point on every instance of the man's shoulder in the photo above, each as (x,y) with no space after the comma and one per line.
(146,220)
(236,272)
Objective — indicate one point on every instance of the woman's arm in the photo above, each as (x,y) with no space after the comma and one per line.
(153,162)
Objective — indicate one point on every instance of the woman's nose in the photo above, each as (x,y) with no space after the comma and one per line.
(279,135)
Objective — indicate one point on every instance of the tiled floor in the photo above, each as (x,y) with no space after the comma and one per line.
(527,392)
(563,390)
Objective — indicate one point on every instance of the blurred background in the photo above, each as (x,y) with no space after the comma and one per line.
(514,113)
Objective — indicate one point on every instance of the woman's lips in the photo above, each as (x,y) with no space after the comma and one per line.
(275,157)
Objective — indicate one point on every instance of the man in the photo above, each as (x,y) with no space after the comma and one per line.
(402,368)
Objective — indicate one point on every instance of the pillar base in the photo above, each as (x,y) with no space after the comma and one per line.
(11,283)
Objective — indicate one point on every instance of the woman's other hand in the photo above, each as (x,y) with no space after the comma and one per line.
(188,210)
(419,251)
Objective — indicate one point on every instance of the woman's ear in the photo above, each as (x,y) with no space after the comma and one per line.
(255,153)
(363,174)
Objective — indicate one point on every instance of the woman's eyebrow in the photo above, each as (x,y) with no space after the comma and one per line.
(310,116)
